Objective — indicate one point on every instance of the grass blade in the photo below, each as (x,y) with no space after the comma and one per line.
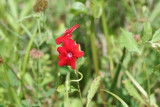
(117,97)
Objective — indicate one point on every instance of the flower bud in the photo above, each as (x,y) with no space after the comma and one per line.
(137,37)
(36,54)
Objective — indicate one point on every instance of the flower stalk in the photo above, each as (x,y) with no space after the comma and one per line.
(105,29)
(95,59)
(148,82)
(79,90)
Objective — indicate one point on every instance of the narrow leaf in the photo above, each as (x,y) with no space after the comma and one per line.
(137,84)
(117,97)
(93,89)
(132,91)
(139,87)
(155,13)
(128,41)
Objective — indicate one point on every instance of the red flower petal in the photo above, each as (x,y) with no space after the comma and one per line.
(61,50)
(73,63)
(74,28)
(79,53)
(67,32)
(76,51)
(75,48)
(62,62)
(69,44)
(66,35)
(61,56)
(61,39)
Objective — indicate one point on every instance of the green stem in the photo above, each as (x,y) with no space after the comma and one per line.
(36,80)
(94,56)
(105,29)
(27,17)
(77,79)
(118,71)
(93,47)
(67,84)
(27,55)
(27,52)
(79,90)
(148,82)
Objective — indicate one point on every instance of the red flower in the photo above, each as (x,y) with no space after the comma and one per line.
(69,53)
(66,35)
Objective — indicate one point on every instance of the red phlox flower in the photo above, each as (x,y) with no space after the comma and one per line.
(67,34)
(69,53)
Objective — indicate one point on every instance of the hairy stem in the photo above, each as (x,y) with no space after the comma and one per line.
(95,59)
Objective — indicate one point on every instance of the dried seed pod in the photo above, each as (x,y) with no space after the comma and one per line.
(40,5)
(1,60)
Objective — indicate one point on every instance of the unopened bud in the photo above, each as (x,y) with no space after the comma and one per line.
(137,37)
(36,54)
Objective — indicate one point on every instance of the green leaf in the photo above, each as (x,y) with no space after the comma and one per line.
(155,13)
(13,8)
(62,89)
(147,34)
(117,97)
(93,89)
(128,41)
(138,86)
(78,7)
(80,62)
(156,36)
(97,9)
(132,91)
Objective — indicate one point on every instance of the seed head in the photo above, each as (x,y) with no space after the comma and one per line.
(40,5)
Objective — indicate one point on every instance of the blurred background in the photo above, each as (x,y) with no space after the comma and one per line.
(99,37)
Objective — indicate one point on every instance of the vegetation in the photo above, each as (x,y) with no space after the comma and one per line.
(116,63)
